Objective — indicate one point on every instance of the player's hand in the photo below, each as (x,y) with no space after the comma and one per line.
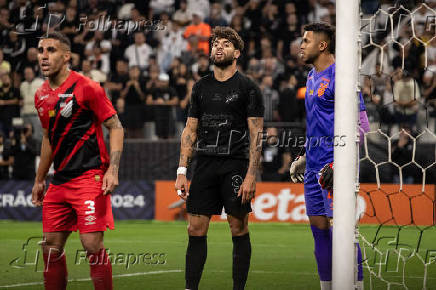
(297,169)
(326,177)
(38,192)
(247,189)
(181,186)
(110,181)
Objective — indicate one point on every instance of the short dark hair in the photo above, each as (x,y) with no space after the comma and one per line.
(230,34)
(327,30)
(59,36)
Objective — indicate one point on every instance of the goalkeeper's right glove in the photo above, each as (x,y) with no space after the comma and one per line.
(297,169)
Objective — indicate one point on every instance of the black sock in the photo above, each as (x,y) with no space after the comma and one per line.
(241,260)
(195,258)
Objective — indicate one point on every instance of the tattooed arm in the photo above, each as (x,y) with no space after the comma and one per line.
(116,138)
(188,139)
(248,187)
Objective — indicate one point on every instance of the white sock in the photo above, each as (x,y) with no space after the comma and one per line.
(326,285)
(359,285)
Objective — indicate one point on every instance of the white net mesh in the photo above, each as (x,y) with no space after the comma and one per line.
(397,79)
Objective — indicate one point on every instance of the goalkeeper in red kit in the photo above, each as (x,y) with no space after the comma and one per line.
(72,109)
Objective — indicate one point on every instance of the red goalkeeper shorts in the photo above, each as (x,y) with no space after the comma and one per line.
(78,204)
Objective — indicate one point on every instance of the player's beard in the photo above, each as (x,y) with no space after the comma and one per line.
(225,62)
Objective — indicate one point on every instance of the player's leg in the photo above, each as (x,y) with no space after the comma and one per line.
(94,216)
(203,202)
(320,227)
(55,266)
(237,216)
(241,249)
(58,220)
(196,252)
(99,262)
(322,236)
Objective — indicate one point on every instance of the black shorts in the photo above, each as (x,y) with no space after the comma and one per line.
(215,184)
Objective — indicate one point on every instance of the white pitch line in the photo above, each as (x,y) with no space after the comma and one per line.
(89,279)
(179,271)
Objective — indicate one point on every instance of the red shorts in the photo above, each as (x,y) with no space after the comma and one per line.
(78,204)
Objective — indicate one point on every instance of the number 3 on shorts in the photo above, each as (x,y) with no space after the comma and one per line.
(91,207)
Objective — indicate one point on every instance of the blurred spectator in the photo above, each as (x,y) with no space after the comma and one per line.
(139,52)
(317,12)
(202,67)
(182,16)
(270,99)
(70,24)
(94,74)
(198,33)
(9,101)
(215,17)
(287,106)
(23,153)
(98,52)
(402,153)
(5,25)
(164,98)
(132,98)
(288,32)
(172,46)
(5,66)
(161,6)
(14,48)
(184,102)
(4,157)
(201,6)
(20,12)
(275,157)
(31,60)
(117,80)
(406,98)
(27,89)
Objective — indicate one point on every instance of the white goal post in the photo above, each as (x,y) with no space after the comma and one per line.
(345,157)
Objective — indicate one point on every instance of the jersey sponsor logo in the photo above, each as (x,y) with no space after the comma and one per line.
(322,88)
(326,80)
(65,95)
(43,97)
(232,97)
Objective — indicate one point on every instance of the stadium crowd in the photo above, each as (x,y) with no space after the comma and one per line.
(148,54)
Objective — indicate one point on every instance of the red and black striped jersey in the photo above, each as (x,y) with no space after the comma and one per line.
(73,114)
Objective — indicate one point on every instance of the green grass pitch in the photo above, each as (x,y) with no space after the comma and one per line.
(282,257)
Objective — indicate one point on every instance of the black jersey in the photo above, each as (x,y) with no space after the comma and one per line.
(222,109)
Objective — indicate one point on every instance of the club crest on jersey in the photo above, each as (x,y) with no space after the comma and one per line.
(322,88)
(51,113)
(67,110)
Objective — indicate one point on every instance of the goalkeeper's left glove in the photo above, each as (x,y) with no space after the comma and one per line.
(326,177)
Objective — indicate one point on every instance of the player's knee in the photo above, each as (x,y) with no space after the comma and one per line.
(51,248)
(238,228)
(93,247)
(197,229)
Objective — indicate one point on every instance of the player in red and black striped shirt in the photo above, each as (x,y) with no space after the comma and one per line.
(72,108)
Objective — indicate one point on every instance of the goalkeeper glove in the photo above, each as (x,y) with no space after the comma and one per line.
(326,177)
(297,169)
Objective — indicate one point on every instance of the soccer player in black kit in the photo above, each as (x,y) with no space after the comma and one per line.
(224,122)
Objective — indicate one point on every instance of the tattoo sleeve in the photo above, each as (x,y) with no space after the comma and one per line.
(116,138)
(255,125)
(188,139)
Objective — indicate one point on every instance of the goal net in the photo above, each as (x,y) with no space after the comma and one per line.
(397,79)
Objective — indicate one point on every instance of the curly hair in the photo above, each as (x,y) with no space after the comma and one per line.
(229,34)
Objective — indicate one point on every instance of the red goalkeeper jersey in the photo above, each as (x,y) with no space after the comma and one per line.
(73,114)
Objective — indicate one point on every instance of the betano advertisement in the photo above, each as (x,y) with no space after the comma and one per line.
(284,202)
